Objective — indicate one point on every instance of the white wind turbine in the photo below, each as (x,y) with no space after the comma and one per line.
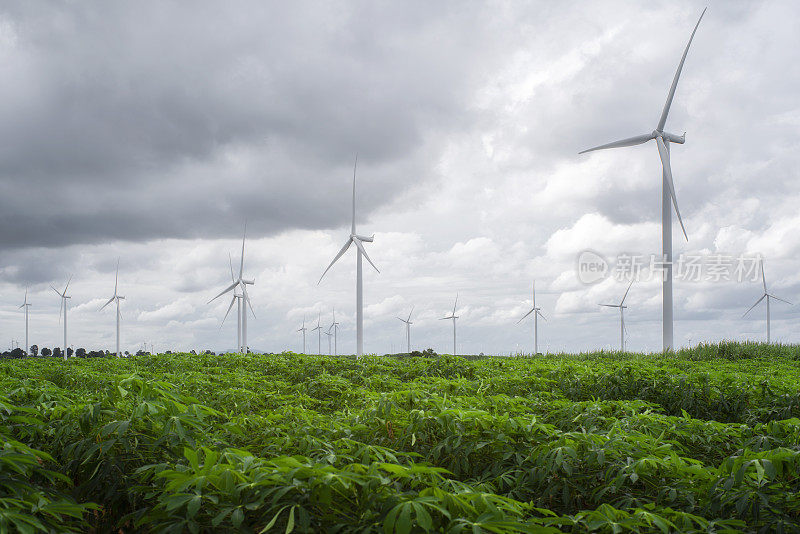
(303,330)
(453,316)
(329,334)
(358,240)
(25,304)
(318,328)
(117,298)
(767,296)
(63,307)
(621,307)
(241,284)
(537,312)
(408,329)
(335,327)
(663,140)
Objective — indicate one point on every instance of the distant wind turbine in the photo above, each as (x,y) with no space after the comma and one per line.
(358,240)
(63,307)
(335,327)
(453,316)
(241,284)
(537,312)
(621,307)
(663,140)
(408,329)
(25,304)
(329,334)
(117,298)
(303,330)
(318,328)
(767,295)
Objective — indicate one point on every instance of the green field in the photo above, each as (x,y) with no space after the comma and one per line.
(707,440)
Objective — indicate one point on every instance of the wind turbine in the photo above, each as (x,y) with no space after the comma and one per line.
(242,284)
(329,334)
(663,140)
(26,305)
(452,316)
(408,328)
(318,328)
(112,299)
(621,307)
(536,315)
(303,330)
(358,240)
(767,296)
(335,327)
(63,307)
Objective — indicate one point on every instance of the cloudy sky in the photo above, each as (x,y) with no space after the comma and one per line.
(150,131)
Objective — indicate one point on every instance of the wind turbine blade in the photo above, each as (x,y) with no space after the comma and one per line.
(780,299)
(364,252)
(233,300)
(339,255)
(754,305)
(56,290)
(353,227)
(116,278)
(409,314)
(60,308)
(763,278)
(671,94)
(541,315)
(233,285)
(524,316)
(107,303)
(399,319)
(664,153)
(66,286)
(455,304)
(611,305)
(26,295)
(241,264)
(626,293)
(630,141)
(230,262)
(247,298)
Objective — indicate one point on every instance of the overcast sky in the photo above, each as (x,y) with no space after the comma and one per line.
(149,131)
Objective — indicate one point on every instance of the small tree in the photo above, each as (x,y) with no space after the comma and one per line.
(46,352)
(80,353)
(57,352)
(70,352)
(35,350)
(17,353)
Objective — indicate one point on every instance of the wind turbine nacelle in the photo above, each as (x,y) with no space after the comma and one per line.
(672,138)
(249,282)
(365,238)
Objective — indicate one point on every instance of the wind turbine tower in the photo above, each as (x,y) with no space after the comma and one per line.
(408,324)
(621,307)
(537,312)
(663,140)
(453,316)
(358,240)
(318,328)
(63,307)
(303,330)
(241,283)
(767,295)
(335,327)
(25,304)
(116,298)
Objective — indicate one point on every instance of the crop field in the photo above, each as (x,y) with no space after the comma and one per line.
(707,440)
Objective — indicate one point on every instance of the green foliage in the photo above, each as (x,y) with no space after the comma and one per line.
(705,440)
